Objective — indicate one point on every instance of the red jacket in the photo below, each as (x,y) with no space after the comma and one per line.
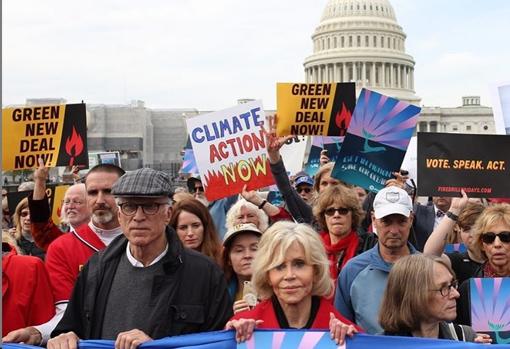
(66,256)
(265,311)
(26,291)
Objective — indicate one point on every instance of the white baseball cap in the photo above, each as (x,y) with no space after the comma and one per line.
(392,200)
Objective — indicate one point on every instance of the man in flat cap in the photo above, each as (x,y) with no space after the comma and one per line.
(145,285)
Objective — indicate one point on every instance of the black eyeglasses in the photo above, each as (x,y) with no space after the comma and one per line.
(445,290)
(129,208)
(197,189)
(489,237)
(305,189)
(331,211)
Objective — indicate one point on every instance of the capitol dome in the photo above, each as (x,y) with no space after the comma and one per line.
(361,41)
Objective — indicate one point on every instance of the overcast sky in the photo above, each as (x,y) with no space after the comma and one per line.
(206,54)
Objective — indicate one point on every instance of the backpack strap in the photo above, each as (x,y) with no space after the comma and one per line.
(457,332)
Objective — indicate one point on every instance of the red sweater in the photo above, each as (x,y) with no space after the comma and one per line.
(66,256)
(26,291)
(265,311)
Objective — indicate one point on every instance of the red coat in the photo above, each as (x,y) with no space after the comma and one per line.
(265,311)
(66,256)
(27,299)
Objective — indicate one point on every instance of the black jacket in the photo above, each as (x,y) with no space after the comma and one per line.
(191,297)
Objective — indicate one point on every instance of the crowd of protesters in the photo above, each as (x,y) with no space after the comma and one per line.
(140,259)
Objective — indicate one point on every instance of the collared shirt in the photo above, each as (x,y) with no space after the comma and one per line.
(138,264)
(106,236)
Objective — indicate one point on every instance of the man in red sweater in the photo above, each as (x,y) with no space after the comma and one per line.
(68,253)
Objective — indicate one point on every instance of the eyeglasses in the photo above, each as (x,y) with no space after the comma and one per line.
(304,189)
(197,189)
(74,202)
(130,209)
(24,214)
(446,290)
(341,210)
(489,237)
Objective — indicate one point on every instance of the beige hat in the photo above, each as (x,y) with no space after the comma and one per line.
(240,228)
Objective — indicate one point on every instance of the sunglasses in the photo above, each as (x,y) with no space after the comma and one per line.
(197,189)
(341,210)
(488,238)
(304,189)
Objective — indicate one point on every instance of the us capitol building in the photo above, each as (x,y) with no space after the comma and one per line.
(356,40)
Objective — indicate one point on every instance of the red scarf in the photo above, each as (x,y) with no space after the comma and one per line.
(343,250)
(489,272)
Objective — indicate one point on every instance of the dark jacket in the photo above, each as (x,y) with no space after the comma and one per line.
(191,297)
(446,331)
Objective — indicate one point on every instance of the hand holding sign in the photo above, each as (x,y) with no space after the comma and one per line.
(274,143)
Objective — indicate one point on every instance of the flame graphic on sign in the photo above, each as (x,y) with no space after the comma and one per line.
(343,119)
(74,146)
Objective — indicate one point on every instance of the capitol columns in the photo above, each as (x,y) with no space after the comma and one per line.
(399,82)
(372,75)
(383,77)
(363,74)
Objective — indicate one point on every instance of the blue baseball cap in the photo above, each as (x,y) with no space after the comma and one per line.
(303,179)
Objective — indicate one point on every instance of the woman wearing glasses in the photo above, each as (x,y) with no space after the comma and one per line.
(420,301)
(339,215)
(195,228)
(461,216)
(23,234)
(491,235)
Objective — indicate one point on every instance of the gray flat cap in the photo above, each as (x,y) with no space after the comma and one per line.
(144,182)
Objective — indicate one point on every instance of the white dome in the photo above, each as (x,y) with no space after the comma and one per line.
(357,8)
(361,41)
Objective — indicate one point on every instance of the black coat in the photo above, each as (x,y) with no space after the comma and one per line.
(191,297)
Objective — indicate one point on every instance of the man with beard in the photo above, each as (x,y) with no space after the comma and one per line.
(363,279)
(68,253)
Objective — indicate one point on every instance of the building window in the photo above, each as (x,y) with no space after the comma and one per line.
(359,41)
(382,42)
(350,41)
(342,41)
(375,41)
(335,42)
(485,127)
(433,126)
(367,41)
(468,128)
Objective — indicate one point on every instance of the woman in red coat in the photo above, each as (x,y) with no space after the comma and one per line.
(291,277)
(27,299)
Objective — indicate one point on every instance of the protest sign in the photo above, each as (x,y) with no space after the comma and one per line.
(230,150)
(376,140)
(458,247)
(55,194)
(189,165)
(293,153)
(501,107)
(479,164)
(314,109)
(332,147)
(490,307)
(55,133)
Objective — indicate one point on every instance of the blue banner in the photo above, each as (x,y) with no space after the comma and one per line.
(287,339)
